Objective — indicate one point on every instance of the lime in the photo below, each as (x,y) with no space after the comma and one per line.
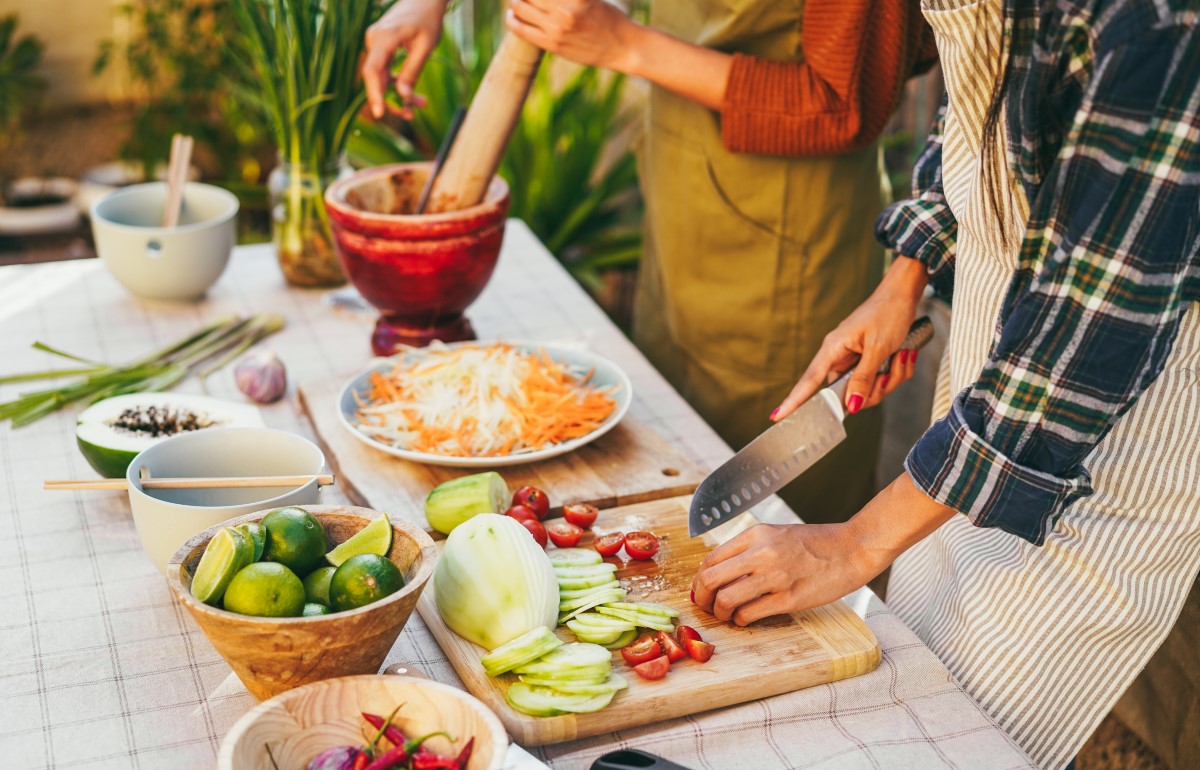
(374,538)
(295,539)
(266,590)
(316,585)
(315,608)
(363,579)
(227,553)
(257,534)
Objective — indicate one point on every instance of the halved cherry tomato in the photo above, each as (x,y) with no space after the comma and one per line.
(644,648)
(521,512)
(653,669)
(581,514)
(534,499)
(700,651)
(669,646)
(609,544)
(536,529)
(687,632)
(641,545)
(564,534)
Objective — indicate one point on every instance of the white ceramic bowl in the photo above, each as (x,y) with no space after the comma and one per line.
(166,518)
(155,262)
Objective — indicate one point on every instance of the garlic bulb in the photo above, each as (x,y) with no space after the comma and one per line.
(261,376)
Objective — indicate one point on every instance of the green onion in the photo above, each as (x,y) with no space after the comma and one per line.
(223,341)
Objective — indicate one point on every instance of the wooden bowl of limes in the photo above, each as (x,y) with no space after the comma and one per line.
(276,648)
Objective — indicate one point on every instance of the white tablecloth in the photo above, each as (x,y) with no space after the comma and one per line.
(100,667)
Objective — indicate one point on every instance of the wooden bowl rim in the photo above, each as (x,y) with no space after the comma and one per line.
(428,556)
(499,733)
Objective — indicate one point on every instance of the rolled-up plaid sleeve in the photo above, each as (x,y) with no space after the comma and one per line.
(1108,267)
(923,227)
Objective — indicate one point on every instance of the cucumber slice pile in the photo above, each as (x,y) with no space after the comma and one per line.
(592,603)
(574,678)
(526,648)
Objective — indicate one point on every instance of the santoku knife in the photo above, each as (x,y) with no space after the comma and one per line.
(783,451)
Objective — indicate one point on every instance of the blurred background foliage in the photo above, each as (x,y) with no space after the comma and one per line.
(19,83)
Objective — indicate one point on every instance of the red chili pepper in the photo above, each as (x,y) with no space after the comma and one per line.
(389,758)
(360,760)
(392,733)
(433,761)
(464,756)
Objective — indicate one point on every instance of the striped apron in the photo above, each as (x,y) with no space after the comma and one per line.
(1047,639)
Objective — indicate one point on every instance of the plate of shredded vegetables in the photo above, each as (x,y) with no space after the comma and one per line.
(473,404)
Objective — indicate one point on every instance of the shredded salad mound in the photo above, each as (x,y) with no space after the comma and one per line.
(481,401)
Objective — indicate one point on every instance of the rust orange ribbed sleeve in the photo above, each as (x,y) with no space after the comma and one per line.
(857,56)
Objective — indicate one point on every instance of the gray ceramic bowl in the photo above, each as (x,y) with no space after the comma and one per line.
(167,518)
(155,262)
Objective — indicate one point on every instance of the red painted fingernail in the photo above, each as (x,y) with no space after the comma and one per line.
(854,404)
(883,380)
(774,413)
(693,596)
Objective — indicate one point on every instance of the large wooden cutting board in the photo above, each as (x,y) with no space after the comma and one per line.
(629,464)
(770,657)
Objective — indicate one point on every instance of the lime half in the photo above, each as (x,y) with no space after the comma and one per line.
(226,554)
(257,534)
(375,538)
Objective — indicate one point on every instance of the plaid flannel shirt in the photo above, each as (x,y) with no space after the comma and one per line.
(1103,122)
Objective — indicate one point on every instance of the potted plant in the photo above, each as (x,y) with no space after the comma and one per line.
(301,58)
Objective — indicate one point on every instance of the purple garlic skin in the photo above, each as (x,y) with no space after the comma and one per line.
(336,758)
(261,376)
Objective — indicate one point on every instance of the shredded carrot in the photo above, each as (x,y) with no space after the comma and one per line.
(481,401)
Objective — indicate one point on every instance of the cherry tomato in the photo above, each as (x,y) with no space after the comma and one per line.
(564,534)
(536,529)
(581,514)
(653,669)
(669,646)
(643,649)
(534,499)
(609,544)
(521,513)
(700,651)
(687,632)
(641,545)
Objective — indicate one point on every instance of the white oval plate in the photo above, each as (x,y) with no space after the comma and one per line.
(605,372)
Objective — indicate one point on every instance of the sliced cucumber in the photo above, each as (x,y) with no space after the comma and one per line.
(604,622)
(453,502)
(574,557)
(613,683)
(542,681)
(646,608)
(545,701)
(589,570)
(526,648)
(656,622)
(622,640)
(579,593)
(593,599)
(578,583)
(593,635)
(570,656)
(590,673)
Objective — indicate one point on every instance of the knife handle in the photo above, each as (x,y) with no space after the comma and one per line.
(919,335)
(633,759)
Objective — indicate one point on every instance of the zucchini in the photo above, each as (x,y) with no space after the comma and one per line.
(541,681)
(622,640)
(526,648)
(611,684)
(579,593)
(656,622)
(564,660)
(603,622)
(646,608)
(544,701)
(589,570)
(574,557)
(578,583)
(592,599)
(453,502)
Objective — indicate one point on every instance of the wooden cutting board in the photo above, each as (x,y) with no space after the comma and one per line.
(629,464)
(772,656)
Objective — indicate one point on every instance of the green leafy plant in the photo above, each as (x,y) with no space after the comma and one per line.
(179,62)
(572,176)
(19,86)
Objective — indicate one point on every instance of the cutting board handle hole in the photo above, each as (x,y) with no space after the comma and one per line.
(670,472)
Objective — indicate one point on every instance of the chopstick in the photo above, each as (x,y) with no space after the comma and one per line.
(229,482)
(443,151)
(177,173)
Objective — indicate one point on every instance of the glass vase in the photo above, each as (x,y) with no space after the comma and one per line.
(299,224)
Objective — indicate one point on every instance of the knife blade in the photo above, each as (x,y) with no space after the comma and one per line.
(783,451)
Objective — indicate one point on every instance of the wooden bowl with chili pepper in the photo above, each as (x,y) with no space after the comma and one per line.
(300,724)
(274,654)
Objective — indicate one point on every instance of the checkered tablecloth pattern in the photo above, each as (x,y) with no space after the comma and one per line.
(100,668)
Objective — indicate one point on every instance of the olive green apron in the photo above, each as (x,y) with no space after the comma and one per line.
(750,260)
